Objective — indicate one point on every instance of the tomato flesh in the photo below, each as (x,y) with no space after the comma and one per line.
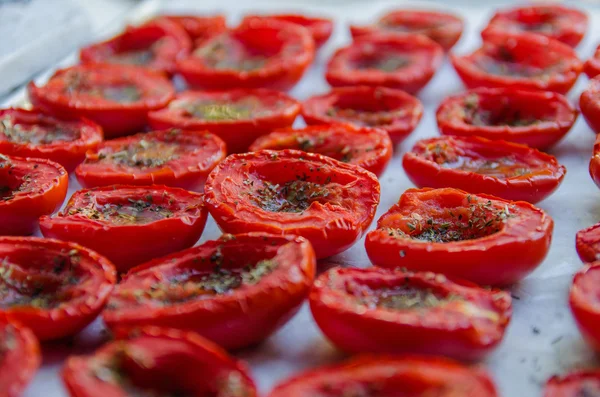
(584,303)
(319,28)
(19,357)
(589,103)
(199,27)
(575,384)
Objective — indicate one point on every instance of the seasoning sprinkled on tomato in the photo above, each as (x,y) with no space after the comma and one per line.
(198,27)
(319,28)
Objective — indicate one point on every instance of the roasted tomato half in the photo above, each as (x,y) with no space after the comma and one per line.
(130,225)
(443,28)
(585,304)
(561,23)
(536,119)
(392,110)
(591,67)
(158,362)
(387,376)
(29,133)
(156,45)
(575,384)
(238,116)
(29,188)
(118,97)
(526,61)
(369,148)
(405,62)
(481,238)
(235,291)
(379,311)
(19,357)
(595,162)
(169,157)
(478,165)
(319,28)
(55,288)
(257,54)
(328,202)
(199,27)
(589,103)
(587,243)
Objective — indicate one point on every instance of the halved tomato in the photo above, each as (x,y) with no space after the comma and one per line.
(369,148)
(524,61)
(118,97)
(199,27)
(158,362)
(235,291)
(595,162)
(591,67)
(129,224)
(319,28)
(392,110)
(256,54)
(536,119)
(328,202)
(585,304)
(480,238)
(478,165)
(29,188)
(587,243)
(169,157)
(575,384)
(379,311)
(589,103)
(55,288)
(405,62)
(236,116)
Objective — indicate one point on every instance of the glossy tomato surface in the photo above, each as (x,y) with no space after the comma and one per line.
(369,148)
(171,157)
(20,357)
(53,287)
(130,225)
(199,27)
(580,383)
(235,291)
(392,110)
(587,243)
(319,28)
(117,97)
(481,238)
(536,119)
(584,300)
(591,67)
(595,163)
(589,103)
(479,165)
(405,62)
(290,192)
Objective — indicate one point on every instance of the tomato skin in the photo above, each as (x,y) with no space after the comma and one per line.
(589,103)
(319,28)
(553,113)
(331,227)
(594,167)
(423,54)
(20,362)
(424,171)
(573,384)
(198,27)
(587,243)
(584,305)
(526,234)
(591,67)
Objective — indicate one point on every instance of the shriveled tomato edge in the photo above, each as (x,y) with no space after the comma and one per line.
(319,27)
(555,383)
(586,252)
(589,103)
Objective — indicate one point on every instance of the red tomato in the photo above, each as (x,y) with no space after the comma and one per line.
(369,148)
(478,165)
(29,188)
(589,103)
(525,61)
(198,27)
(257,54)
(561,23)
(408,376)
(238,116)
(595,163)
(20,357)
(443,28)
(156,45)
(158,362)
(584,302)
(591,67)
(54,287)
(168,157)
(118,97)
(481,238)
(406,62)
(328,202)
(536,119)
(235,291)
(575,384)
(129,224)
(394,111)
(319,28)
(587,243)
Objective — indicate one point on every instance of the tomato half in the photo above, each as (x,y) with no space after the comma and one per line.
(392,110)
(328,202)
(386,376)
(537,119)
(256,54)
(235,291)
(574,384)
(405,62)
(319,28)
(53,287)
(29,188)
(129,224)
(585,304)
(441,27)
(595,162)
(525,61)
(118,97)
(591,67)
(158,362)
(369,148)
(589,103)
(156,45)
(558,22)
(481,238)
(199,27)
(587,243)
(19,357)
(169,157)
(478,165)
(237,116)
